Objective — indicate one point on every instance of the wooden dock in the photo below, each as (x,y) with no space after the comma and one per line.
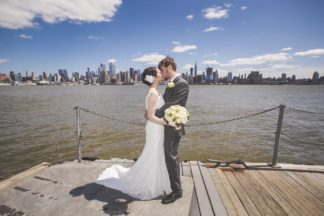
(254,189)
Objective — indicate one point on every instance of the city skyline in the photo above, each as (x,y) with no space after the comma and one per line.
(272,37)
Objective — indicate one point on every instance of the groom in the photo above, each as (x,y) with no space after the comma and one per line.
(176,93)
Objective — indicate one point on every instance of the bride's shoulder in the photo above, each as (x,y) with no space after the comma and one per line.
(153,91)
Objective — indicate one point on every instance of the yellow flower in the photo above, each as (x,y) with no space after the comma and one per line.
(171,84)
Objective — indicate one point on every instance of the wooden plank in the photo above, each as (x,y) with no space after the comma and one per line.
(319,175)
(292,195)
(213,194)
(244,197)
(309,184)
(230,199)
(186,169)
(309,199)
(194,207)
(274,193)
(202,196)
(260,197)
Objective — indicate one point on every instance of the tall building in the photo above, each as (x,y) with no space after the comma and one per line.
(33,76)
(209,72)
(196,69)
(215,76)
(230,76)
(316,76)
(284,77)
(112,70)
(12,76)
(64,75)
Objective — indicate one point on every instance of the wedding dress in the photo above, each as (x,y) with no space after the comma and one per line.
(148,178)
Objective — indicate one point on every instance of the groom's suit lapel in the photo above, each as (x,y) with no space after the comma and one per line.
(168,91)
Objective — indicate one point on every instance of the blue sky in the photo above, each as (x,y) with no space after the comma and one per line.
(272,36)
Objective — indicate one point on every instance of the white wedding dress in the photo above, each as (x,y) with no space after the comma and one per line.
(148,178)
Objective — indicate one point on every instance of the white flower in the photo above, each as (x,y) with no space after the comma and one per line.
(176,115)
(171,84)
(149,78)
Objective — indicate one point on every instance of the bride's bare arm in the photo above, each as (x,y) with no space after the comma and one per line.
(152,103)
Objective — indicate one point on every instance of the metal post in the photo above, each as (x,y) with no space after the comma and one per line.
(79,156)
(276,146)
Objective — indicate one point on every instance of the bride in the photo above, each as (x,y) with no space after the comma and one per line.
(148,178)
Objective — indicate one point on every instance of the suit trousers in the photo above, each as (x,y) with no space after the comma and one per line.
(171,145)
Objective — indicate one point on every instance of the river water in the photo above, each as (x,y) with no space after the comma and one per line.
(38,123)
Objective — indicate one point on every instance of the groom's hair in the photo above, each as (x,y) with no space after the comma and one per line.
(148,71)
(168,61)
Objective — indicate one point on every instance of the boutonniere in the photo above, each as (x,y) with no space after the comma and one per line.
(171,84)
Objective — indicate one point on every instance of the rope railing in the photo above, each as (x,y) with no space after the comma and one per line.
(188,125)
(278,131)
(304,111)
(233,119)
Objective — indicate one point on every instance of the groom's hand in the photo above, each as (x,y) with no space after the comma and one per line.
(145,115)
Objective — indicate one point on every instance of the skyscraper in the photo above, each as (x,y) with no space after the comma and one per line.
(112,70)
(195,69)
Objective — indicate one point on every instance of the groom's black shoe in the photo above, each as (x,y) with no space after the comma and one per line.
(171,197)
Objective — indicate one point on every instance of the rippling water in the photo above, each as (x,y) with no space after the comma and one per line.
(38,124)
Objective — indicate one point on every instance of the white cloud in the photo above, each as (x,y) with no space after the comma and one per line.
(176,42)
(260,59)
(150,58)
(228,5)
(3,61)
(25,36)
(112,60)
(283,66)
(313,52)
(209,55)
(183,48)
(244,8)
(212,28)
(187,66)
(215,12)
(210,62)
(190,17)
(19,14)
(91,37)
(286,49)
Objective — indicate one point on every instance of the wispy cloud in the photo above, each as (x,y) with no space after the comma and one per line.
(3,61)
(212,54)
(212,28)
(17,14)
(95,38)
(215,12)
(176,42)
(283,66)
(244,8)
(187,66)
(112,60)
(286,49)
(150,58)
(260,59)
(313,52)
(228,5)
(183,48)
(190,17)
(210,62)
(25,36)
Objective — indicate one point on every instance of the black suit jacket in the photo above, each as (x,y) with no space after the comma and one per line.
(176,95)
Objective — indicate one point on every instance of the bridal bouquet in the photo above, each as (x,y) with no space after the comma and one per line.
(176,115)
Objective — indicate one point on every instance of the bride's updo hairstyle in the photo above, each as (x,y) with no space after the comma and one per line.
(148,75)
